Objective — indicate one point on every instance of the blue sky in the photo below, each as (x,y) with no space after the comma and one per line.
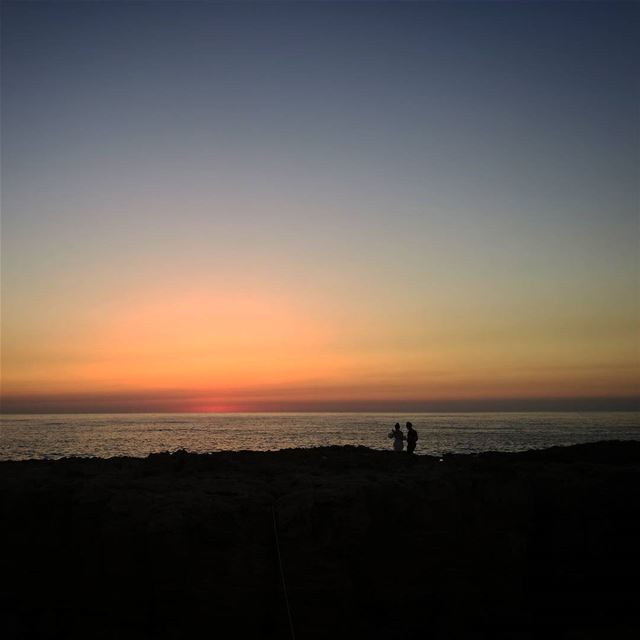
(432,177)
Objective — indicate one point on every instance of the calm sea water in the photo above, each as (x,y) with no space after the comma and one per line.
(106,435)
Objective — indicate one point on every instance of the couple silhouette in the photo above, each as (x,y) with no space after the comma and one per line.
(398,438)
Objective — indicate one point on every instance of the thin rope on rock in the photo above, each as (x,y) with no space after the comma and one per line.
(284,584)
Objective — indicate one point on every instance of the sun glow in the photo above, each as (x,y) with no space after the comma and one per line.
(196,337)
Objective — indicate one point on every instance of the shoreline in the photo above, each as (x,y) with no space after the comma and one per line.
(374,544)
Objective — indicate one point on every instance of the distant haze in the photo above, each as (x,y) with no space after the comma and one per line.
(320,206)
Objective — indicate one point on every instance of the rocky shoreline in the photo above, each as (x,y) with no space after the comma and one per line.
(373,545)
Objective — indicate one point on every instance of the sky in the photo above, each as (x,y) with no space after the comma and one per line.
(320,206)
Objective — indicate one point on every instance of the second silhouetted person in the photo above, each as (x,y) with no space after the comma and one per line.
(412,438)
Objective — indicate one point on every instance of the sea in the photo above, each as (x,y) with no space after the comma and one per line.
(24,437)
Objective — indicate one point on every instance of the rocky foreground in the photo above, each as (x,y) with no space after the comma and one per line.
(373,545)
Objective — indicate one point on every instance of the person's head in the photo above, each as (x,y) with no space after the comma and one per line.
(409,425)
(397,426)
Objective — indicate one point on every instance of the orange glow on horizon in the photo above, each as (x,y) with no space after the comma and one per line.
(202,348)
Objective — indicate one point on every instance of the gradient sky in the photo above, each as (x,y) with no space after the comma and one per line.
(210,206)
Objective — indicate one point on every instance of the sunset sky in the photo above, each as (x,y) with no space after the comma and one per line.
(320,206)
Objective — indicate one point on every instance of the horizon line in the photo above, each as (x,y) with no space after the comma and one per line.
(293,412)
(128,405)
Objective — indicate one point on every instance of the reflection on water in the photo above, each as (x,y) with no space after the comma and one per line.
(106,435)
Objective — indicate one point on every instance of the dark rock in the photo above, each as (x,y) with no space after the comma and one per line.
(373,545)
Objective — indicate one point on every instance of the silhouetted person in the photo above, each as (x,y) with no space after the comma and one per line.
(398,438)
(412,438)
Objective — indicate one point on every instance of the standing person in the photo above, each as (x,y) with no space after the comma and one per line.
(412,438)
(398,438)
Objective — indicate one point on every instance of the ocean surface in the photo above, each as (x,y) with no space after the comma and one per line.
(106,435)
